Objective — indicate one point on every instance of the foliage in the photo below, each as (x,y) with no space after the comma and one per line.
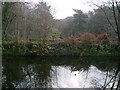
(60,49)
(30,30)
(54,34)
(98,21)
(79,22)
(64,26)
(7,16)
(88,38)
(103,38)
(72,39)
(22,22)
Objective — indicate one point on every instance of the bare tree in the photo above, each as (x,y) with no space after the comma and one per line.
(116,13)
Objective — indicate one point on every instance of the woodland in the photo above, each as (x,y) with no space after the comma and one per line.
(29,30)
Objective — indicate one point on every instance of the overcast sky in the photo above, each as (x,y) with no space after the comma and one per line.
(64,8)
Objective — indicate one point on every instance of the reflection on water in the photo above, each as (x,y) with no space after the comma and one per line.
(62,72)
(66,79)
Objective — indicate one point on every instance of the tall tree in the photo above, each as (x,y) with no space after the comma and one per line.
(79,22)
(43,20)
(64,26)
(114,8)
(24,22)
(7,16)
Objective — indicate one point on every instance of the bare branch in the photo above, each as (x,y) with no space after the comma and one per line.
(105,16)
(118,7)
(116,22)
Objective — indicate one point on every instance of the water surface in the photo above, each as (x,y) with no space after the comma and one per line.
(60,72)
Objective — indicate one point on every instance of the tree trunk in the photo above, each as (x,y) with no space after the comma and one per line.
(119,26)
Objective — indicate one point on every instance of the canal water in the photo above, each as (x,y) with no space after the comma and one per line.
(60,72)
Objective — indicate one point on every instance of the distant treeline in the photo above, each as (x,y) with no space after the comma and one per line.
(23,21)
(32,30)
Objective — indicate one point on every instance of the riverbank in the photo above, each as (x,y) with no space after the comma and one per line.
(60,49)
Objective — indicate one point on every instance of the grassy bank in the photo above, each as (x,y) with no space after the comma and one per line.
(60,49)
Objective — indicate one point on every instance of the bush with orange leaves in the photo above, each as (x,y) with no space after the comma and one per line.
(21,42)
(86,38)
(103,38)
(89,38)
(72,39)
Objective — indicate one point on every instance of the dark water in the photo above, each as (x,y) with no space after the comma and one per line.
(60,72)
